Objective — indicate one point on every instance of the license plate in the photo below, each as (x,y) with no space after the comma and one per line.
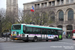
(16,38)
(14,34)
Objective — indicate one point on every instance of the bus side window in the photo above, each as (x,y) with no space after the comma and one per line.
(39,31)
(43,31)
(55,32)
(24,28)
(29,30)
(51,32)
(48,32)
(33,30)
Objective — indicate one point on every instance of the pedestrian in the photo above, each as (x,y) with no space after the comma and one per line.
(69,35)
(64,33)
(66,36)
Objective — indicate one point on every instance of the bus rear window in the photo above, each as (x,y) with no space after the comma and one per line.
(16,27)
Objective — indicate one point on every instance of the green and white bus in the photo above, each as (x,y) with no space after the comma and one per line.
(28,32)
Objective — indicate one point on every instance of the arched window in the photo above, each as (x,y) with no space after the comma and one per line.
(60,26)
(37,18)
(70,14)
(53,18)
(61,16)
(52,15)
(69,27)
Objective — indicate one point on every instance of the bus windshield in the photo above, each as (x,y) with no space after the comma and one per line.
(16,27)
(60,32)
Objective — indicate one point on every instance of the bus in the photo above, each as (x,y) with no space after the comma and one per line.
(73,34)
(35,33)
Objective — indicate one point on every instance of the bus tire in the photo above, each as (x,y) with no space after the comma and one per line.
(27,39)
(35,39)
(47,39)
(56,39)
(24,40)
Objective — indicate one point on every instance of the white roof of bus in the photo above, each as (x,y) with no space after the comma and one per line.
(36,25)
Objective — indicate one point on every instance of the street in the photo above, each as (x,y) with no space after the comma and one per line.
(65,44)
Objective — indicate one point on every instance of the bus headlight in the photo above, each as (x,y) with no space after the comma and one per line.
(73,37)
(23,35)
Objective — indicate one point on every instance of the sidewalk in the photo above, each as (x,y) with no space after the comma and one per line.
(3,39)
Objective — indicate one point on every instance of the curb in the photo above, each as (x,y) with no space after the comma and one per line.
(5,41)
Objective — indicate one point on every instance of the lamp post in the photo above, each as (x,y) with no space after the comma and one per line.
(0,26)
(32,10)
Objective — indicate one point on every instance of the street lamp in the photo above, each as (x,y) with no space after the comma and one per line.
(0,26)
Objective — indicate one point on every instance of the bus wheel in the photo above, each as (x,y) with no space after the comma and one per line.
(25,40)
(35,39)
(56,38)
(47,40)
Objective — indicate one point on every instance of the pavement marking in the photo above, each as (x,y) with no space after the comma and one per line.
(67,43)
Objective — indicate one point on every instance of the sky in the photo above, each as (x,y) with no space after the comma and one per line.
(20,3)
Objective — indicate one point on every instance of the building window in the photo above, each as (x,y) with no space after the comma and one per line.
(44,4)
(53,18)
(53,3)
(67,1)
(37,5)
(61,16)
(70,14)
(69,27)
(61,2)
(14,2)
(60,26)
(50,3)
(58,2)
(72,1)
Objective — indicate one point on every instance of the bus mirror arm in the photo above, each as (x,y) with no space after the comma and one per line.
(24,31)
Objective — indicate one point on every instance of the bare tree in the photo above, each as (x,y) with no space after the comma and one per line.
(20,15)
(2,15)
(12,16)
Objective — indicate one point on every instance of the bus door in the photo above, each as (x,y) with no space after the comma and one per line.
(49,34)
(44,35)
(60,34)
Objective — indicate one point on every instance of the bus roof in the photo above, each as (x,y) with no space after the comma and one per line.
(38,26)
(46,27)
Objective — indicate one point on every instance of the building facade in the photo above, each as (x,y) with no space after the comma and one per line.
(12,8)
(63,10)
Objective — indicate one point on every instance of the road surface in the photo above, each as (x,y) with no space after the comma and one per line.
(65,44)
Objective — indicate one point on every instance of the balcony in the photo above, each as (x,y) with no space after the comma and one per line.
(69,22)
(60,22)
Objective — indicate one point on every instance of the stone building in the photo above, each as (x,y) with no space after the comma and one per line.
(12,8)
(63,10)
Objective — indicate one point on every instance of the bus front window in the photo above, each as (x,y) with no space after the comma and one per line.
(60,32)
(16,27)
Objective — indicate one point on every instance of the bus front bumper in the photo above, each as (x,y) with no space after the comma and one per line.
(17,38)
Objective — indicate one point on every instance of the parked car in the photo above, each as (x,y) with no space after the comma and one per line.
(7,34)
